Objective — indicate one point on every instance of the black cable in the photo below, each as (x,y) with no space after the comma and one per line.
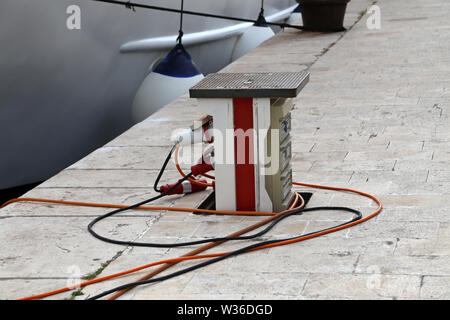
(168,245)
(182,244)
(163,168)
(180,31)
(93,222)
(128,5)
(357,213)
(194,13)
(261,21)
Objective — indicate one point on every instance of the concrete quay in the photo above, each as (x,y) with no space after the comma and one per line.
(374,117)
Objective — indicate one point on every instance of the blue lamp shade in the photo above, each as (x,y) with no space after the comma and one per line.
(178,63)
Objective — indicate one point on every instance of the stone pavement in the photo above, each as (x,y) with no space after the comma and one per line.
(375,117)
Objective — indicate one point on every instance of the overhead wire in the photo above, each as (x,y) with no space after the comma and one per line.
(133,5)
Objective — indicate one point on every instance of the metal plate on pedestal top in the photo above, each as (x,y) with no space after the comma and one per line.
(250,85)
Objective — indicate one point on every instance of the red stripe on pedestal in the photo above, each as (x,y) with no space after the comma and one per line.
(245,172)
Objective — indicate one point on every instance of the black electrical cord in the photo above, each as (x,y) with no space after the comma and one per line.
(132,5)
(357,213)
(180,31)
(261,21)
(93,222)
(189,243)
(178,244)
(163,168)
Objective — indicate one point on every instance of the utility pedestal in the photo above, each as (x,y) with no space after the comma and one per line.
(252,142)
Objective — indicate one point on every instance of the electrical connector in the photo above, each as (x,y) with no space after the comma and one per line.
(201,168)
(199,132)
(184,187)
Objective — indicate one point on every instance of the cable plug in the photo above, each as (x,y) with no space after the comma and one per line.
(184,187)
(199,132)
(201,168)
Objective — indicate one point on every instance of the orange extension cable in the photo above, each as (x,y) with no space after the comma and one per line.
(149,208)
(193,181)
(193,254)
(205,247)
(189,256)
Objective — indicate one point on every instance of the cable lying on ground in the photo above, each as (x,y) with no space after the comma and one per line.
(165,264)
(170,262)
(192,255)
(239,251)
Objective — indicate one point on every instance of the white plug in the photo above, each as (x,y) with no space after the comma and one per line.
(198,133)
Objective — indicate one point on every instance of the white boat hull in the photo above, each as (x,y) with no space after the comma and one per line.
(64,92)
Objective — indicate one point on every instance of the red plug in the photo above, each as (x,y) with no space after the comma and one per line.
(184,187)
(201,168)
